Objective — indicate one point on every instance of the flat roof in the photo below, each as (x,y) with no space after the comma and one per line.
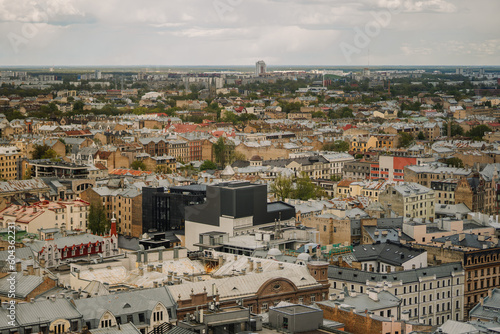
(295,309)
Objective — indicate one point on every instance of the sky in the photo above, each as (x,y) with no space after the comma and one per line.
(241,32)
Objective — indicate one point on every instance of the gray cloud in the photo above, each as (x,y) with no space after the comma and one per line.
(237,32)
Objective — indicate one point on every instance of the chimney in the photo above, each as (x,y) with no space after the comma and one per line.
(141,271)
(155,284)
(18,267)
(373,295)
(353,293)
(169,277)
(30,269)
(405,316)
(281,266)
(150,267)
(159,268)
(250,263)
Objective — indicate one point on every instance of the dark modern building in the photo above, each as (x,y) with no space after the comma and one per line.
(163,209)
(233,207)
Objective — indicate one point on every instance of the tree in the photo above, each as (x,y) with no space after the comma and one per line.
(43,152)
(220,152)
(455,162)
(237,156)
(405,139)
(337,146)
(318,114)
(98,222)
(208,165)
(345,112)
(421,136)
(477,132)
(138,165)
(305,189)
(456,130)
(282,187)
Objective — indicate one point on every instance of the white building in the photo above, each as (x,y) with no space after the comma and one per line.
(260,68)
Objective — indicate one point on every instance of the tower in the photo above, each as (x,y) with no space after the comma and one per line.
(212,88)
(260,68)
(112,232)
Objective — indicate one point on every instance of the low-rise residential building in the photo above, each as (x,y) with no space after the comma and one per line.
(70,215)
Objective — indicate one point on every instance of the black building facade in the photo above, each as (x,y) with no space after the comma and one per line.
(238,200)
(163,209)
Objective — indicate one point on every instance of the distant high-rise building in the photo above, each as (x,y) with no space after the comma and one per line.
(98,75)
(460,71)
(260,68)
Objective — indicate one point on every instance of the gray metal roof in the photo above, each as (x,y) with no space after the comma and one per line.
(45,311)
(124,302)
(362,301)
(121,329)
(24,284)
(391,253)
(408,276)
(490,308)
(179,330)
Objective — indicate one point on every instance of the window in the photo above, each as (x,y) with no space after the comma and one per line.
(265,305)
(313,298)
(129,318)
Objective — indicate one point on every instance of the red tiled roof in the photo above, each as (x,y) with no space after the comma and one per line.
(129,171)
(103,154)
(77,132)
(100,166)
(183,128)
(348,126)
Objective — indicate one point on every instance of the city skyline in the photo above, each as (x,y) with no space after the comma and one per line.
(238,32)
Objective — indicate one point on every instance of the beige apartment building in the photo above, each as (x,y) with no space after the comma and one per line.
(9,155)
(410,200)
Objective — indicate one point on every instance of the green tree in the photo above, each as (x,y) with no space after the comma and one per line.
(405,139)
(98,222)
(305,189)
(43,152)
(208,165)
(421,136)
(455,162)
(477,132)
(456,130)
(138,165)
(282,187)
(318,114)
(337,146)
(220,152)
(345,112)
(78,106)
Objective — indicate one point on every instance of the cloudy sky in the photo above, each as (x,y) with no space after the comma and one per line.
(239,32)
